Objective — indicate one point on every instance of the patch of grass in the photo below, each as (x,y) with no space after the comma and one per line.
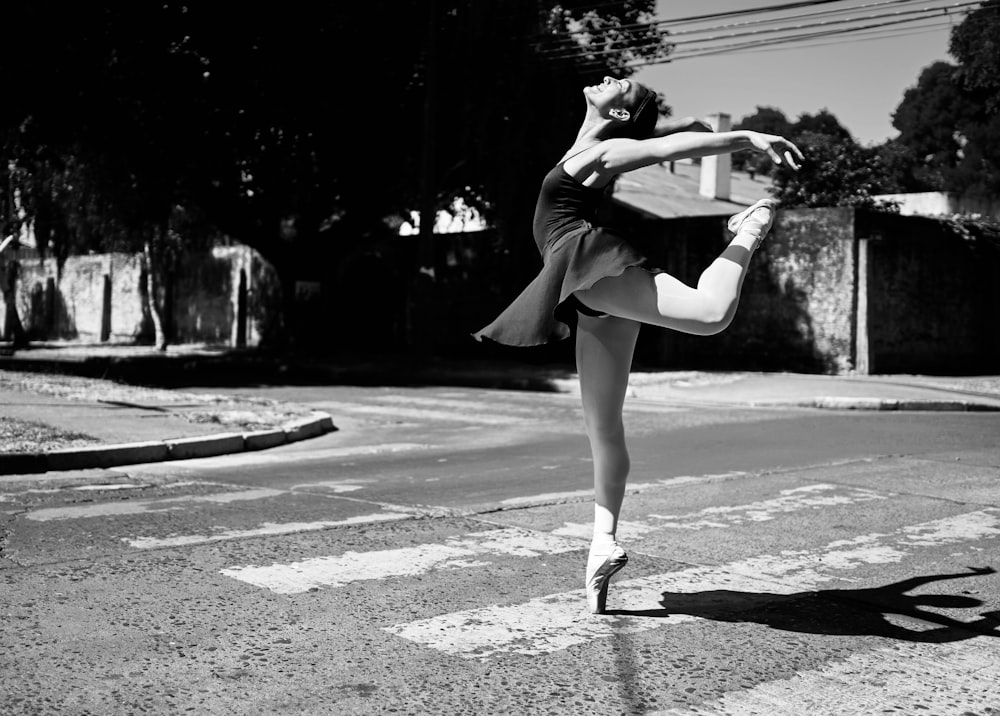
(30,436)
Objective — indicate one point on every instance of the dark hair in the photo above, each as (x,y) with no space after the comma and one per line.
(642,119)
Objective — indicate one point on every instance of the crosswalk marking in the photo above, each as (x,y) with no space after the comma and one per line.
(290,456)
(476,406)
(454,553)
(806,497)
(425,413)
(904,679)
(555,622)
(268,529)
(678,481)
(794,499)
(134,507)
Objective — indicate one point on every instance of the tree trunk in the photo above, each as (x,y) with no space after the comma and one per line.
(152,304)
(13,330)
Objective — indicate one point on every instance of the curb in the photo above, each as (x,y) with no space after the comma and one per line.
(104,456)
(885,404)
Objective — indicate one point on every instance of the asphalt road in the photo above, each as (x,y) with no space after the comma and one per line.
(427,558)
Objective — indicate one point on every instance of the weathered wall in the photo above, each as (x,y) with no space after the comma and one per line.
(206,283)
(933,296)
(224,296)
(796,307)
(71,304)
(924,299)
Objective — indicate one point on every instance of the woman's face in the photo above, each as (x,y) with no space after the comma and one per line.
(611,94)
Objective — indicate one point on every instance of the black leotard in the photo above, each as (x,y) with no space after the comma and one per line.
(575,256)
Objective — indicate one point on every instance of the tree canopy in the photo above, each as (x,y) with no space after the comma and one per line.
(314,119)
(950,120)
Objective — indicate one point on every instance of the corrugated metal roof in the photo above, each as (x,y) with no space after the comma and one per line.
(660,192)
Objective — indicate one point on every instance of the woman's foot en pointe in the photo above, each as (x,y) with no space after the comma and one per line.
(755,220)
(600,568)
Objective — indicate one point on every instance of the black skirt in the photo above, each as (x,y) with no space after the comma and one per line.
(546,310)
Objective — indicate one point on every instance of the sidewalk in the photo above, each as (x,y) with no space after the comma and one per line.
(127,424)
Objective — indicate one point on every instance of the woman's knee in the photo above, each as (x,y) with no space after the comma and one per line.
(717,319)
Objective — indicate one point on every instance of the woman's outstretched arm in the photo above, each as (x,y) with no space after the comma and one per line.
(622,155)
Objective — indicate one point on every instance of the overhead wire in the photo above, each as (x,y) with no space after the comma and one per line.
(866,36)
(673,22)
(867,30)
(585,58)
(582,53)
(735,47)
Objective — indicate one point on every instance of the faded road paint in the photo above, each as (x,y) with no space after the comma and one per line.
(808,497)
(135,507)
(267,529)
(557,621)
(454,553)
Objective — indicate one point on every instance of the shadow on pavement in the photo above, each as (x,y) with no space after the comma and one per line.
(235,368)
(843,612)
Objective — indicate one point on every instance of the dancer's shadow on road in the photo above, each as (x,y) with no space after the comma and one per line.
(849,612)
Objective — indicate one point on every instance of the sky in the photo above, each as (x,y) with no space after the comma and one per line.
(860,82)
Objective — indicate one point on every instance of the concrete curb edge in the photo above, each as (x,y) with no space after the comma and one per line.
(882,404)
(104,456)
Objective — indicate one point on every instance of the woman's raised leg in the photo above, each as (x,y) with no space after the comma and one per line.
(663,300)
(604,348)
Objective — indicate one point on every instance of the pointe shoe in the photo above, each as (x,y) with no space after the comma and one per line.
(600,577)
(756,223)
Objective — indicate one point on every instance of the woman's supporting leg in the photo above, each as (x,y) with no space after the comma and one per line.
(662,300)
(604,348)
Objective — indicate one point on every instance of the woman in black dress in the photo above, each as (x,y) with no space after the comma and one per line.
(594,279)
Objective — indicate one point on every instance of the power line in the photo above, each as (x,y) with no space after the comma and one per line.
(736,47)
(568,35)
(867,37)
(871,30)
(588,56)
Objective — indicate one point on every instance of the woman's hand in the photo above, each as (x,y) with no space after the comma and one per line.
(777,147)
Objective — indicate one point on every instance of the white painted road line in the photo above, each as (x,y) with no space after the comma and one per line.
(135,507)
(450,416)
(268,529)
(960,678)
(528,500)
(478,407)
(559,621)
(289,455)
(455,553)
(807,497)
(554,622)
(798,498)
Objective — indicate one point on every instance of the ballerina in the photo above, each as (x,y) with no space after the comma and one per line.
(595,281)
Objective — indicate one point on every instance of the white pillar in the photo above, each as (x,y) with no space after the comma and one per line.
(715,171)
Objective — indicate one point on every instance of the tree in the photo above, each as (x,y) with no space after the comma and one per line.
(837,172)
(949,120)
(274,130)
(822,123)
(975,43)
(930,120)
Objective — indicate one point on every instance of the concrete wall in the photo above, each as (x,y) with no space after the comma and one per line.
(797,305)
(224,296)
(933,296)
(936,203)
(72,304)
(831,291)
